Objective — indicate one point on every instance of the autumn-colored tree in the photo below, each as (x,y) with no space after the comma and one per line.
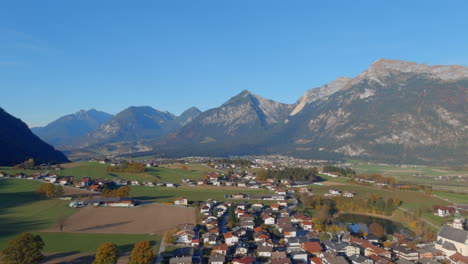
(167,237)
(107,253)
(262,175)
(387,244)
(24,249)
(29,164)
(376,229)
(50,190)
(123,191)
(142,253)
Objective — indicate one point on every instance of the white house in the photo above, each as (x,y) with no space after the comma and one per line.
(230,239)
(268,220)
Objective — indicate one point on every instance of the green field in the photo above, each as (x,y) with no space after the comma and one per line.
(459,198)
(425,175)
(173,173)
(163,194)
(412,200)
(22,210)
(395,170)
(71,242)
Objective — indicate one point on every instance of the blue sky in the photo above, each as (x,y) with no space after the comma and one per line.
(57,57)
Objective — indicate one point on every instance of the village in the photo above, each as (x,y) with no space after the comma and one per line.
(247,233)
(267,228)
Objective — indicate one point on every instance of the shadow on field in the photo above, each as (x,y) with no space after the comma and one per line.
(11,226)
(72,257)
(10,200)
(152,198)
(105,226)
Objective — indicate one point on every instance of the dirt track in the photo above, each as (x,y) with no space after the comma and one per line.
(146,219)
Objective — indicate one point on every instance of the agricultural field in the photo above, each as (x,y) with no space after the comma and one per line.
(22,210)
(412,200)
(172,172)
(145,219)
(459,198)
(452,179)
(197,193)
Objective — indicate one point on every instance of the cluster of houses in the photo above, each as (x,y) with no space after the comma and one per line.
(245,179)
(279,235)
(88,183)
(108,201)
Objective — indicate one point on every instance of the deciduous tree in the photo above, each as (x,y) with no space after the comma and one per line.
(142,253)
(24,249)
(107,253)
(376,229)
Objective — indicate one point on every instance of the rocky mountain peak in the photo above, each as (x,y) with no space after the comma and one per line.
(321,92)
(384,67)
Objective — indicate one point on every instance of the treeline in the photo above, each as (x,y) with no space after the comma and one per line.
(294,174)
(50,190)
(378,178)
(129,167)
(374,204)
(123,191)
(342,172)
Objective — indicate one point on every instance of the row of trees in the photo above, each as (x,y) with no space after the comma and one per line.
(129,167)
(342,172)
(378,178)
(122,191)
(27,248)
(294,174)
(327,207)
(50,190)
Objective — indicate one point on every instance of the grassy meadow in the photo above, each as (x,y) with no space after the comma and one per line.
(72,242)
(420,175)
(163,194)
(173,172)
(21,209)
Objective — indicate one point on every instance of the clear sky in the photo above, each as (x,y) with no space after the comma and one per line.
(57,57)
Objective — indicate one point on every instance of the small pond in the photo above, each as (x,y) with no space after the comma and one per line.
(356,223)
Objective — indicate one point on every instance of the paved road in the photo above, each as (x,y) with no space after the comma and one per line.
(421,218)
(162,248)
(294,204)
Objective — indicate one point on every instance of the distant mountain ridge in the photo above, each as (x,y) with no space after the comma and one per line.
(18,143)
(394,111)
(65,131)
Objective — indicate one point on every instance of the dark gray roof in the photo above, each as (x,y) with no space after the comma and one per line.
(454,234)
(404,261)
(182,260)
(265,249)
(359,259)
(217,258)
(449,246)
(336,260)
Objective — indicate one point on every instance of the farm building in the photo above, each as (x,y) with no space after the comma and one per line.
(181,201)
(111,201)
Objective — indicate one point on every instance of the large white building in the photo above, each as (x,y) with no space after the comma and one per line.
(453,237)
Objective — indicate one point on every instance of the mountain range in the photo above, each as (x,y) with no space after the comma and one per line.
(395,111)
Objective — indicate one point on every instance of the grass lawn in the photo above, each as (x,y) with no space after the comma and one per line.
(71,242)
(22,210)
(412,200)
(459,198)
(163,194)
(419,175)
